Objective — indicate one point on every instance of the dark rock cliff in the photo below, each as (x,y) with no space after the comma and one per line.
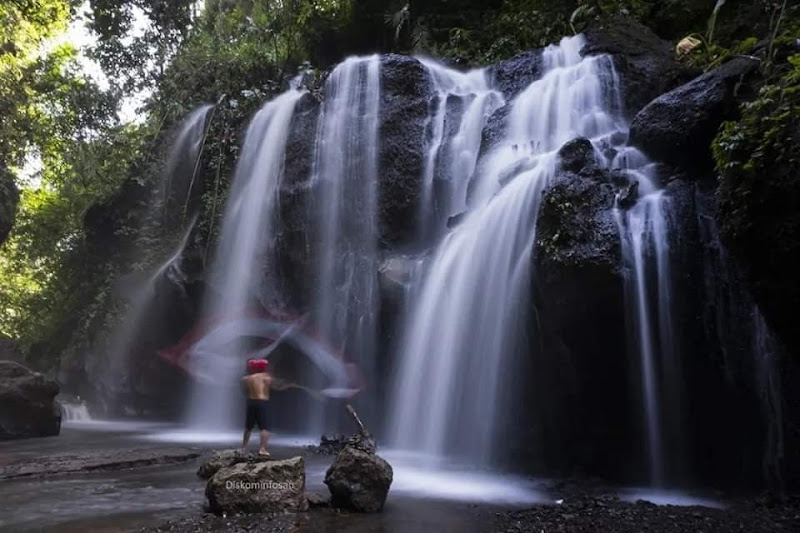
(644,63)
(9,198)
(678,127)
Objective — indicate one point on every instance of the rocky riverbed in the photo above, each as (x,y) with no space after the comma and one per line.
(117,479)
(609,514)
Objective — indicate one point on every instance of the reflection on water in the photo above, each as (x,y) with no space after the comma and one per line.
(37,503)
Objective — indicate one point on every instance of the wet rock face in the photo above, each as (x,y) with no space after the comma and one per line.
(9,198)
(406,94)
(27,405)
(296,196)
(264,487)
(359,481)
(679,126)
(644,63)
(513,75)
(495,129)
(576,155)
(759,218)
(576,225)
(578,364)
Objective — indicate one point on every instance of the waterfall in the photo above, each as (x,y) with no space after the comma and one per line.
(461,330)
(124,335)
(182,160)
(75,411)
(644,235)
(462,105)
(242,275)
(345,174)
(767,353)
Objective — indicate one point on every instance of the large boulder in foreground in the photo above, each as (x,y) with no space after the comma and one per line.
(677,127)
(223,458)
(220,459)
(266,487)
(359,481)
(27,405)
(332,444)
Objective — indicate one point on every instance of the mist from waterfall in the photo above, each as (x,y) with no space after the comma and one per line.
(461,331)
(181,163)
(242,275)
(344,216)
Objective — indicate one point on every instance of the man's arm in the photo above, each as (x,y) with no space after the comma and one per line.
(278,383)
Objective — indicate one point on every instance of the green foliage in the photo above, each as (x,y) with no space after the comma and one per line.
(45,257)
(137,38)
(766,133)
(488,34)
(62,128)
(757,157)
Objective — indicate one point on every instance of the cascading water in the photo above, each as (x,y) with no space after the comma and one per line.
(241,273)
(123,336)
(767,355)
(74,411)
(644,234)
(345,174)
(182,160)
(461,330)
(463,103)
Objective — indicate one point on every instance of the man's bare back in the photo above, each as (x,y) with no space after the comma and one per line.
(256,386)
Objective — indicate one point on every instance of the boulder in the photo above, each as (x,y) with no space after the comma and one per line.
(495,129)
(27,406)
(645,64)
(9,198)
(579,393)
(315,499)
(576,225)
(359,481)
(10,350)
(224,458)
(219,459)
(406,94)
(261,487)
(334,443)
(678,127)
(576,155)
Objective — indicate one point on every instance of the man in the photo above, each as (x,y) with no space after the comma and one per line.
(256,387)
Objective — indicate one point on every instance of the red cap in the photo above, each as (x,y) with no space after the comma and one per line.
(257,366)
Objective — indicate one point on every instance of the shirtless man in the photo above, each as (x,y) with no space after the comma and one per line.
(256,387)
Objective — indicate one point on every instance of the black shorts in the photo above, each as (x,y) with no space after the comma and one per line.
(256,414)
